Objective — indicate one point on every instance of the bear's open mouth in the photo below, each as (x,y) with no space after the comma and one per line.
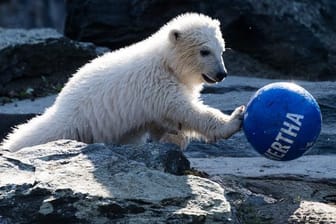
(208,79)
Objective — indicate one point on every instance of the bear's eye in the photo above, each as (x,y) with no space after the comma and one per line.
(204,52)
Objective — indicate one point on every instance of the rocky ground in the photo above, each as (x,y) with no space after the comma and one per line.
(71,182)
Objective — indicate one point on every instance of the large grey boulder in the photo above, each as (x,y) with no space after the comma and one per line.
(285,38)
(71,182)
(39,61)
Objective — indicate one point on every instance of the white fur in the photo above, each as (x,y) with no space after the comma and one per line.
(149,87)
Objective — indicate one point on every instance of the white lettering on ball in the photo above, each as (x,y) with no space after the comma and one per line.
(286,136)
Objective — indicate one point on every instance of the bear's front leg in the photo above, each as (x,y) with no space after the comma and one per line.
(220,125)
(210,122)
(236,120)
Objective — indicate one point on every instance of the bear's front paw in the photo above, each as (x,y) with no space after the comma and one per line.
(235,123)
(238,113)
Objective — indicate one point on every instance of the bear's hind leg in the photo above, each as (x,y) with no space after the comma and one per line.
(134,137)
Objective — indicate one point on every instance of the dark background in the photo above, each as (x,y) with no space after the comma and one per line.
(274,39)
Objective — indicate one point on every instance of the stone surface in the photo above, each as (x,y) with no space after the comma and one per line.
(265,191)
(313,212)
(72,182)
(38,61)
(282,39)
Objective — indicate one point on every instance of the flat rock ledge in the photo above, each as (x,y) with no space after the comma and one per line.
(72,182)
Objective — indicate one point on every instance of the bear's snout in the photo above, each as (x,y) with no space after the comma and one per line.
(220,76)
(213,78)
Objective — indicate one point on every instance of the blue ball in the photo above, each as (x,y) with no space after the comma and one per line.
(282,121)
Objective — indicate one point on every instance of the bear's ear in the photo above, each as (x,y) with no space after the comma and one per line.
(174,36)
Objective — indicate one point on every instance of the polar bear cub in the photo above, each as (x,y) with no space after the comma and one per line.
(152,86)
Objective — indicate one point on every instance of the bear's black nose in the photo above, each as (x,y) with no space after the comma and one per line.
(220,76)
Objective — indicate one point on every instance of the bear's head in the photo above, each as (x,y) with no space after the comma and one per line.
(196,45)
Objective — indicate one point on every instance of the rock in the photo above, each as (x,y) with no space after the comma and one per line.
(282,39)
(265,191)
(313,212)
(274,200)
(168,159)
(71,182)
(39,61)
(292,37)
(119,22)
